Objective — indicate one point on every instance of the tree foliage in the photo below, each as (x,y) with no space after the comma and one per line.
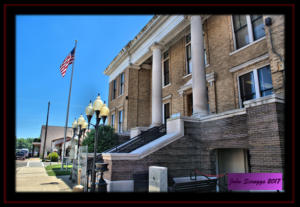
(24,143)
(107,139)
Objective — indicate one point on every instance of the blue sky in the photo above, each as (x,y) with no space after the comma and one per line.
(43,42)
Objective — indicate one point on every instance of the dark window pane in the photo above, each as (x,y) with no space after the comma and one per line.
(114,89)
(120,120)
(166,54)
(242,37)
(258,26)
(265,81)
(239,21)
(247,87)
(190,69)
(189,58)
(188,38)
(188,52)
(167,111)
(122,84)
(166,72)
(254,17)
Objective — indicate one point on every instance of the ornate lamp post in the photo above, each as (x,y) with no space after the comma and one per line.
(82,124)
(100,112)
(72,153)
(82,127)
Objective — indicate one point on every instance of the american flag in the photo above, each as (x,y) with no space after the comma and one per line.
(68,61)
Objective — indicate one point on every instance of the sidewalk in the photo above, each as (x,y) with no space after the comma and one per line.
(33,178)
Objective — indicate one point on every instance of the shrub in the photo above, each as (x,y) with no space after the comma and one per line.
(53,157)
(107,138)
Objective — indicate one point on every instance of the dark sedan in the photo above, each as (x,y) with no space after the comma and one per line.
(20,155)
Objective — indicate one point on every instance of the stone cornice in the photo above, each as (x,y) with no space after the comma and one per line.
(162,29)
(132,43)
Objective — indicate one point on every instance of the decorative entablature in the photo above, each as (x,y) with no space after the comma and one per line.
(161,29)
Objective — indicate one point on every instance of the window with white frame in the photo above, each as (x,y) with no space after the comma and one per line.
(112,120)
(122,84)
(188,53)
(120,123)
(247,28)
(166,69)
(255,84)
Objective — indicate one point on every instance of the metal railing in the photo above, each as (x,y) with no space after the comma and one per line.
(220,178)
(144,138)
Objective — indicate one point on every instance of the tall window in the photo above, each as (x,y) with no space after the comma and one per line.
(247,28)
(114,91)
(112,120)
(166,68)
(120,124)
(122,84)
(189,54)
(256,84)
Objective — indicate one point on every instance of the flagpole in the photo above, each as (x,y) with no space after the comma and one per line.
(66,126)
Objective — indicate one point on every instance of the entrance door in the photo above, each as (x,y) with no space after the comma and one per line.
(231,161)
(189,104)
(166,111)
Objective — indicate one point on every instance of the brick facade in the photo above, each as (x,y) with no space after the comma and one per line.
(223,92)
(257,130)
(261,135)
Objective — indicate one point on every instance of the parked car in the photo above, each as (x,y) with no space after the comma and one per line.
(26,151)
(21,155)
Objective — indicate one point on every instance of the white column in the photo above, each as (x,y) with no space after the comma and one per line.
(156,85)
(198,74)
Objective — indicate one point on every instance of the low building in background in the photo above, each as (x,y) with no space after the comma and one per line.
(55,134)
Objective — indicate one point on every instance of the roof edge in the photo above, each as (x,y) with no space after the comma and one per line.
(124,51)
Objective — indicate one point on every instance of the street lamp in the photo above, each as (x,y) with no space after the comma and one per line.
(82,127)
(72,153)
(101,111)
(82,124)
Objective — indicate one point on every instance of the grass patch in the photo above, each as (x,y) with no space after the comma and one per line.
(55,170)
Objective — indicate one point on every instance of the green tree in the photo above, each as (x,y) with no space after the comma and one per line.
(24,143)
(107,139)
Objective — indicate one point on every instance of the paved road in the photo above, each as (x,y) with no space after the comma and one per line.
(32,177)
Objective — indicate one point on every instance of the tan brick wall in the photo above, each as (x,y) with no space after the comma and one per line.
(119,103)
(137,106)
(144,97)
(132,97)
(277,30)
(223,93)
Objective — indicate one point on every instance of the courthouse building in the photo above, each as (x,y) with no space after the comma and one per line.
(215,81)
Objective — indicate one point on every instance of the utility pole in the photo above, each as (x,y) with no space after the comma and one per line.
(43,155)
